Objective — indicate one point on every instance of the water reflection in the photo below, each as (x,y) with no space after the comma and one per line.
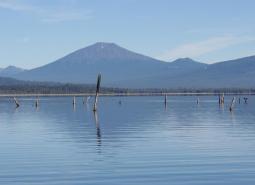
(232,116)
(143,143)
(98,130)
(165,105)
(222,107)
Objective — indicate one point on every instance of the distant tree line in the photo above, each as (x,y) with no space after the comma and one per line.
(54,89)
(58,88)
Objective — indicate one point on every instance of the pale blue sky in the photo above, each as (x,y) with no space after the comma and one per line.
(34,33)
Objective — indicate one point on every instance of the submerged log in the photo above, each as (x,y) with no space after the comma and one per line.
(97,92)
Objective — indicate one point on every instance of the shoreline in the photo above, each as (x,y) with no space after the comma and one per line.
(125,94)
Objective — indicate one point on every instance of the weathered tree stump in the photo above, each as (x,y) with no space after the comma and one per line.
(97,92)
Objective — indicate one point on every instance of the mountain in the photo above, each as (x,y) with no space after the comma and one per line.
(10,71)
(187,63)
(117,65)
(179,68)
(123,68)
(237,73)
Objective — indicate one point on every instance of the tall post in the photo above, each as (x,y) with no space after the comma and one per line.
(97,92)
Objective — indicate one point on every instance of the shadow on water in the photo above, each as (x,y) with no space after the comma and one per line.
(165,105)
(74,104)
(74,107)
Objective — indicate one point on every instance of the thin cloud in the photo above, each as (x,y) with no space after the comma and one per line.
(13,5)
(203,47)
(47,14)
(70,16)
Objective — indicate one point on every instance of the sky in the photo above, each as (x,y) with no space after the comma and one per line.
(36,32)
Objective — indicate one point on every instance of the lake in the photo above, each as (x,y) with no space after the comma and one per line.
(137,141)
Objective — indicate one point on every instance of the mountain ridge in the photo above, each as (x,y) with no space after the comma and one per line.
(10,70)
(121,67)
(114,62)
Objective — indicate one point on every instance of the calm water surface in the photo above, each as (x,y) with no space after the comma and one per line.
(139,141)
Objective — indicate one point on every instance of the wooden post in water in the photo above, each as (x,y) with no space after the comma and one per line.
(198,100)
(245,100)
(165,99)
(223,99)
(37,102)
(16,102)
(74,101)
(232,104)
(97,92)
